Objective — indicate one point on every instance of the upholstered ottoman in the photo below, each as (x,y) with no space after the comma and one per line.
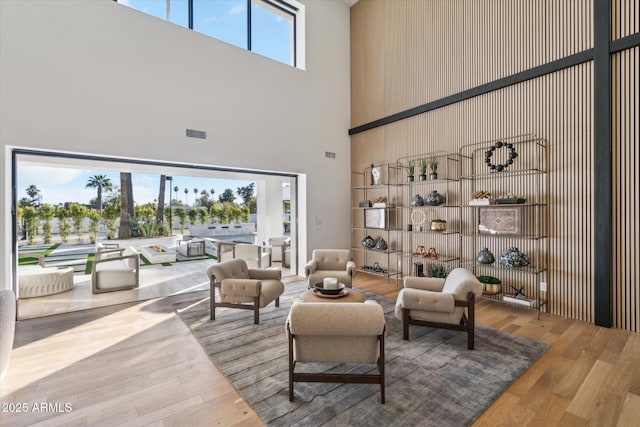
(41,281)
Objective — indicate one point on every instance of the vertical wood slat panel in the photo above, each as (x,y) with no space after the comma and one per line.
(557,107)
(625,18)
(626,168)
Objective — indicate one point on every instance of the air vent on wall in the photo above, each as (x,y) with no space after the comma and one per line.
(329,155)
(192,133)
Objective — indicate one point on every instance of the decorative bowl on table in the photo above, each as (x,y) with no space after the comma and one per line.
(319,287)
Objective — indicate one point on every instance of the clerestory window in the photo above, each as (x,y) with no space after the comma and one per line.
(272,28)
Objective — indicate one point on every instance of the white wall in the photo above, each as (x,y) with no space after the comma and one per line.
(100,78)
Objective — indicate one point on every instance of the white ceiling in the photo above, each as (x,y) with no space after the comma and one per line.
(349,2)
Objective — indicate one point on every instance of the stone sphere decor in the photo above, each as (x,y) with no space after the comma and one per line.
(434,199)
(513,258)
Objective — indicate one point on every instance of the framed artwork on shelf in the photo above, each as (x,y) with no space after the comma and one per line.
(499,221)
(375,218)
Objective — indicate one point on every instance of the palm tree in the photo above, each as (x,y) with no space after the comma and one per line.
(186,197)
(195,191)
(101,182)
(32,191)
(126,205)
(160,215)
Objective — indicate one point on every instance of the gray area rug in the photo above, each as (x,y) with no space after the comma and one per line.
(432,379)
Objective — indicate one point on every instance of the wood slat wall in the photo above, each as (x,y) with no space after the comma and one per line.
(625,18)
(407,53)
(625,68)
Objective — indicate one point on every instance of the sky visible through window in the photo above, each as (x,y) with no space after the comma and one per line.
(226,20)
(59,185)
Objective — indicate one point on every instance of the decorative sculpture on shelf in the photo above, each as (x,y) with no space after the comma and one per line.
(497,166)
(376,172)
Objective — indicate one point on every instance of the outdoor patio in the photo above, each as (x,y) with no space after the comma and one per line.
(156,280)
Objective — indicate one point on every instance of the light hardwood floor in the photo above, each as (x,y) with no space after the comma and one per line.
(138,364)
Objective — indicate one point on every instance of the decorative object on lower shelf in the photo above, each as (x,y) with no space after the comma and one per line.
(381,245)
(438,225)
(417,200)
(513,258)
(485,257)
(364,204)
(380,202)
(434,199)
(519,299)
(420,251)
(431,253)
(418,269)
(437,270)
(492,285)
(368,242)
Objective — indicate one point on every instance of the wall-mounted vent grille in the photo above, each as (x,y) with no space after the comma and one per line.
(329,155)
(192,133)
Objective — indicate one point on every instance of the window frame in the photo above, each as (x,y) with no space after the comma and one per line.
(288,9)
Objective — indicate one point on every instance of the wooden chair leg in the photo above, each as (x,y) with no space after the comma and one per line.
(471,321)
(212,300)
(278,302)
(405,323)
(256,310)
(290,364)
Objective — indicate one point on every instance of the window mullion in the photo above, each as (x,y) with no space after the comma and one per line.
(249,25)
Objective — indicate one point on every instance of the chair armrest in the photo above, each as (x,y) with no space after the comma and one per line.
(263,274)
(241,287)
(434,284)
(310,267)
(417,299)
(351,268)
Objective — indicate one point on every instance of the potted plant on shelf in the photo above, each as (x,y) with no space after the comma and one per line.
(433,167)
(410,168)
(423,170)
(437,270)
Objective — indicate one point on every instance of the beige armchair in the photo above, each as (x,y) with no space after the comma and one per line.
(330,263)
(243,287)
(112,271)
(440,303)
(278,247)
(348,333)
(256,256)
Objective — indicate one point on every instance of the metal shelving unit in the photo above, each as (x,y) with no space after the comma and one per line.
(417,220)
(501,226)
(377,221)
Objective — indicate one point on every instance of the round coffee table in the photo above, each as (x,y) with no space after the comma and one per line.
(351,296)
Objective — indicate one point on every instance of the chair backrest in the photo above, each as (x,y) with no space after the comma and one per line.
(279,241)
(460,281)
(232,269)
(336,332)
(331,259)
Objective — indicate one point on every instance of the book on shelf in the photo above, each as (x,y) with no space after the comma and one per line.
(519,299)
(480,202)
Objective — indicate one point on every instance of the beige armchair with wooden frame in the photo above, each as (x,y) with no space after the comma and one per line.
(330,263)
(440,303)
(349,332)
(244,288)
